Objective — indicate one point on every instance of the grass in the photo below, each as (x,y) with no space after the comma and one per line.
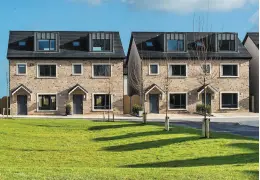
(78,149)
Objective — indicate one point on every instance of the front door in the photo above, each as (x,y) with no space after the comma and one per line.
(21,104)
(154,103)
(77,104)
(208,98)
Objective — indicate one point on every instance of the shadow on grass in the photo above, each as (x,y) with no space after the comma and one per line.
(209,161)
(34,150)
(96,128)
(173,130)
(150,144)
(255,174)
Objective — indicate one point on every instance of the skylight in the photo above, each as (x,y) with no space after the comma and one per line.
(149,44)
(22,43)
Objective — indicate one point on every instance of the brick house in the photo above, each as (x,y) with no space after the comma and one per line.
(157,57)
(49,70)
(251,42)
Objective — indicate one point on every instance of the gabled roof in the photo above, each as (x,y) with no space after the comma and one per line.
(153,86)
(207,86)
(71,90)
(254,36)
(66,51)
(157,51)
(21,86)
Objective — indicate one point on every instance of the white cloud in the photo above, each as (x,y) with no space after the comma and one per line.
(254,19)
(182,6)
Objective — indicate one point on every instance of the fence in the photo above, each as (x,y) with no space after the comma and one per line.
(129,101)
(3,105)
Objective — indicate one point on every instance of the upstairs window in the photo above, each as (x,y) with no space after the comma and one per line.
(21,69)
(77,69)
(101,42)
(46,41)
(206,68)
(175,42)
(101,70)
(178,70)
(227,42)
(229,70)
(45,71)
(153,69)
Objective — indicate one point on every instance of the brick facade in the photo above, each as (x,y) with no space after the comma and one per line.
(191,84)
(64,82)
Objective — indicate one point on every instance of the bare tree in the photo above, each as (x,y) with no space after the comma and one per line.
(200,50)
(166,90)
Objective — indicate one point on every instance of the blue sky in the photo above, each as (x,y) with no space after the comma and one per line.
(124,16)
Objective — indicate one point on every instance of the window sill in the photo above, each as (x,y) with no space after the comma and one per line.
(46,77)
(47,110)
(20,74)
(153,74)
(229,76)
(102,110)
(178,77)
(101,77)
(229,108)
(76,74)
(177,109)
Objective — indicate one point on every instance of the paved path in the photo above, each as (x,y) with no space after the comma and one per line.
(227,127)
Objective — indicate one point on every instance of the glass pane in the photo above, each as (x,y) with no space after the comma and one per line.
(102,101)
(172,45)
(101,45)
(77,69)
(21,69)
(149,44)
(229,70)
(47,70)
(102,70)
(154,69)
(47,102)
(229,100)
(44,45)
(22,43)
(76,44)
(53,45)
(177,101)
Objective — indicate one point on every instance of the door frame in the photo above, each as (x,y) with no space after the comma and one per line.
(158,103)
(74,109)
(26,105)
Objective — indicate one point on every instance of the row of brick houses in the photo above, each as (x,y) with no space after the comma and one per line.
(89,71)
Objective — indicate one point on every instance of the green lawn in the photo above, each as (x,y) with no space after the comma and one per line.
(78,149)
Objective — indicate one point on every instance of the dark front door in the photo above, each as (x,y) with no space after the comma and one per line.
(154,103)
(77,104)
(208,98)
(22,105)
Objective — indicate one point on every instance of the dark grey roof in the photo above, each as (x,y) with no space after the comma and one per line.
(157,53)
(254,36)
(66,51)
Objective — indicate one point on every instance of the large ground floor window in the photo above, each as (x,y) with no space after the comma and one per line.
(47,102)
(178,101)
(102,102)
(229,100)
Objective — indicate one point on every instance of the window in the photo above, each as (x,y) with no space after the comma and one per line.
(101,70)
(101,45)
(229,70)
(229,100)
(206,68)
(226,42)
(153,69)
(175,42)
(47,102)
(76,43)
(149,44)
(178,101)
(47,45)
(22,43)
(177,70)
(21,69)
(47,71)
(102,102)
(77,69)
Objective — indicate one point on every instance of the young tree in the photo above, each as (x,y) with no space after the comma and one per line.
(201,53)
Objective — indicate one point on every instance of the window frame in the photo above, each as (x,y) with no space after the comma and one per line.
(210,70)
(175,36)
(46,77)
(101,77)
(229,92)
(77,74)
(235,41)
(93,102)
(158,68)
(37,101)
(38,47)
(17,69)
(221,70)
(170,93)
(177,76)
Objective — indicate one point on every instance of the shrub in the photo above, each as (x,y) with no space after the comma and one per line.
(136,108)
(68,109)
(201,109)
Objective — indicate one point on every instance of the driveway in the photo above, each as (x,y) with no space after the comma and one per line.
(226,127)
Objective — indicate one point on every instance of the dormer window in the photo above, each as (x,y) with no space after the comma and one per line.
(46,41)
(175,42)
(101,42)
(227,42)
